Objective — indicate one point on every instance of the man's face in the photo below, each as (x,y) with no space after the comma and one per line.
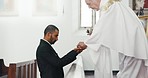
(53,37)
(92,4)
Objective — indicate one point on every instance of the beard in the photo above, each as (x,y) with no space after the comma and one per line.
(52,42)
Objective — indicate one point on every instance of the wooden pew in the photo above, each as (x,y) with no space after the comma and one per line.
(3,68)
(26,69)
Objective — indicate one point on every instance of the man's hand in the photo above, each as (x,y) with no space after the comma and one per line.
(80,47)
(78,50)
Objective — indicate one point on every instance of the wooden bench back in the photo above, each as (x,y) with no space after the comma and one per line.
(27,69)
(3,68)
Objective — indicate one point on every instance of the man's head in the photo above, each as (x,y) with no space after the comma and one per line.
(93,4)
(51,33)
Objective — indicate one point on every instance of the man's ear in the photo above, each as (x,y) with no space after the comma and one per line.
(48,34)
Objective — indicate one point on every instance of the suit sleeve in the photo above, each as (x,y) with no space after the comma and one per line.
(54,60)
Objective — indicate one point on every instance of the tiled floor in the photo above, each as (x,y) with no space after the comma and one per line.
(91,76)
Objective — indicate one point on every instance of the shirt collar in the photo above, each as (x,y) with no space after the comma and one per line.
(46,41)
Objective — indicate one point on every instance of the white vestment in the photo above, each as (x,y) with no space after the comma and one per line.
(117,30)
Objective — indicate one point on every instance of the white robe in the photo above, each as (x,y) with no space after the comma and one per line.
(120,30)
(131,67)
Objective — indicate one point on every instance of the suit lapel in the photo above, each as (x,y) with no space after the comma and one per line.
(52,49)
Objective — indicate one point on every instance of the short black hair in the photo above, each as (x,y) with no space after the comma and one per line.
(50,28)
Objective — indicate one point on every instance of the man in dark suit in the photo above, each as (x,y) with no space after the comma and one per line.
(49,63)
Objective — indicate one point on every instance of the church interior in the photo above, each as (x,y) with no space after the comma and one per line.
(21,27)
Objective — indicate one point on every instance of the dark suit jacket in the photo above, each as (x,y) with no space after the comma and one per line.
(49,63)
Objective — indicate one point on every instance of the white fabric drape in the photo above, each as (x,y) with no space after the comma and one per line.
(120,30)
(135,67)
(76,70)
(103,66)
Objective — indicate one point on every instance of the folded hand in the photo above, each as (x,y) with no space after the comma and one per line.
(81,45)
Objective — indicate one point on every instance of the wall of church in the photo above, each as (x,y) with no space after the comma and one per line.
(20,35)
